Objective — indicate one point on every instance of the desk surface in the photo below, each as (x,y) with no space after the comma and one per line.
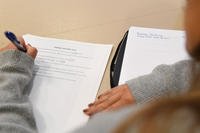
(100,21)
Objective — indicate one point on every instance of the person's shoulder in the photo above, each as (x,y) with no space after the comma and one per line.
(184,63)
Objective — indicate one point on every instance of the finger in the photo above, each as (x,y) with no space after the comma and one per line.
(109,98)
(113,90)
(12,46)
(94,107)
(105,93)
(116,105)
(21,40)
(92,110)
(102,99)
(90,105)
(9,46)
(113,99)
(32,51)
(102,106)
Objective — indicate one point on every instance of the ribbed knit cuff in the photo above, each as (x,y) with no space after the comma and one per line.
(16,58)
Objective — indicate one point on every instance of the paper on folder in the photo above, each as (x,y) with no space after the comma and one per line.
(146,48)
(67,76)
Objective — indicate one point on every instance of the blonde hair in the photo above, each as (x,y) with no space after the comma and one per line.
(159,116)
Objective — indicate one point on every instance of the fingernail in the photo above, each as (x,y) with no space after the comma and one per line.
(91,104)
(29,44)
(85,110)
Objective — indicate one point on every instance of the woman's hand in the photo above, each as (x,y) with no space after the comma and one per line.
(113,99)
(31,51)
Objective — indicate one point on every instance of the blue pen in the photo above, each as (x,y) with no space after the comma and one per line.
(11,36)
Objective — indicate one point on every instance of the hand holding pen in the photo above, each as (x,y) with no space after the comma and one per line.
(19,45)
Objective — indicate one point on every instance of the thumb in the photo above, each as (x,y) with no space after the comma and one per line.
(32,51)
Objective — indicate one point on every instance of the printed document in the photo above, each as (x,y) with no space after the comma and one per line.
(67,76)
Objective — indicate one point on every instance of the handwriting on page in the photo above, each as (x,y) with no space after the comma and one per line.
(61,63)
(153,35)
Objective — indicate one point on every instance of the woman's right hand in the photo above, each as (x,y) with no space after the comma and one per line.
(31,51)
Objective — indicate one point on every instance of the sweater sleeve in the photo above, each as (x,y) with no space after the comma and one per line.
(16,115)
(164,81)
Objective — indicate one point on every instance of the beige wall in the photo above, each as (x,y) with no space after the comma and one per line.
(101,21)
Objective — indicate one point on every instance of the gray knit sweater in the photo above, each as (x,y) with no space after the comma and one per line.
(16,114)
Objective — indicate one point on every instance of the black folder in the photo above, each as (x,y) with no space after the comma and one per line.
(116,64)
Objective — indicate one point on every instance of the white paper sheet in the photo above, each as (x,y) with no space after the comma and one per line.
(146,48)
(67,77)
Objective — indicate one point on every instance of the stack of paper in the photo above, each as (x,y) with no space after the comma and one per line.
(67,76)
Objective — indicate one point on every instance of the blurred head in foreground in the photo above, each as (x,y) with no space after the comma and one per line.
(192,26)
(180,114)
